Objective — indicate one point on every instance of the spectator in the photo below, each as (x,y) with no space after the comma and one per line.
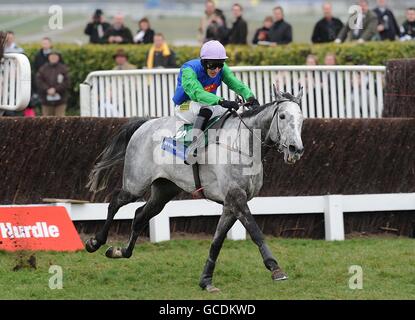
(52,83)
(217,30)
(326,29)
(160,55)
(210,10)
(121,60)
(11,46)
(34,103)
(144,34)
(387,26)
(408,27)
(41,56)
(3,38)
(97,28)
(206,19)
(281,31)
(311,60)
(118,33)
(262,34)
(330,59)
(239,30)
(369,30)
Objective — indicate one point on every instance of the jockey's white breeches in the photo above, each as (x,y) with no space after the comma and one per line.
(188,111)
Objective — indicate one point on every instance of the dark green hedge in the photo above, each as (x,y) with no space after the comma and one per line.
(84,59)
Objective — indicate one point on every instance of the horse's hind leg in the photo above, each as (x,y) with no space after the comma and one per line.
(162,191)
(120,199)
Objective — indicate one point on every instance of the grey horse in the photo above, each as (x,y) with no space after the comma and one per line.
(232,184)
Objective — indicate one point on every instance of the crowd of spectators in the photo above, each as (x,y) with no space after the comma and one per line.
(377,24)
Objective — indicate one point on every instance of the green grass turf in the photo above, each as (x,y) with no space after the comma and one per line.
(171,270)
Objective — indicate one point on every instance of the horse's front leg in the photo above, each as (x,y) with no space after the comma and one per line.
(236,199)
(225,223)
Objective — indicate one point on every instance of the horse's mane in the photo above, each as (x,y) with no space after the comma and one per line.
(254,111)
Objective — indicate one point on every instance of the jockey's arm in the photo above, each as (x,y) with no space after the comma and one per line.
(235,84)
(195,90)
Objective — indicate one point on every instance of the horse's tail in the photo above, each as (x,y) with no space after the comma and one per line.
(112,155)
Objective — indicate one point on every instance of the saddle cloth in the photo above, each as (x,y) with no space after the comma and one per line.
(179,144)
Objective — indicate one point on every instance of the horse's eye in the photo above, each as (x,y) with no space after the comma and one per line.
(282,116)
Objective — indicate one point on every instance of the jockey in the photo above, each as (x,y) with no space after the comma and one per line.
(199,79)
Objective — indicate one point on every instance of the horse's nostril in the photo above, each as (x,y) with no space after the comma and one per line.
(292,149)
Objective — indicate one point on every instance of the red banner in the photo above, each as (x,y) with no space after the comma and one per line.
(37,228)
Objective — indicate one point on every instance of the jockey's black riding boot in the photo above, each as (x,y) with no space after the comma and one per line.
(199,126)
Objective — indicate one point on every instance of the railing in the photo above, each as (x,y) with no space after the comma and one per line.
(332,206)
(329,91)
(15,82)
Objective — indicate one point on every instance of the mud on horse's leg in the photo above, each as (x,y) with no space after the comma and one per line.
(238,202)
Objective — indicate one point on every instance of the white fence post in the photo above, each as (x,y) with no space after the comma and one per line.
(160,228)
(85,100)
(237,231)
(333,217)
(15,82)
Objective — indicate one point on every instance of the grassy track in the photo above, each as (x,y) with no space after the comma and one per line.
(170,270)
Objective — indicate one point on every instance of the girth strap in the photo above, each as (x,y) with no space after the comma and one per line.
(198,193)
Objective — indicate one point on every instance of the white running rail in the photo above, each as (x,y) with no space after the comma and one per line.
(15,82)
(334,207)
(329,91)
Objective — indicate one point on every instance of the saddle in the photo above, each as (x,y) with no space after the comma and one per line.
(180,143)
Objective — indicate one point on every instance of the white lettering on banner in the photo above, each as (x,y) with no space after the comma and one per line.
(39,230)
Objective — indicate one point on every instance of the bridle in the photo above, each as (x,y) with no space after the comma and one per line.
(265,143)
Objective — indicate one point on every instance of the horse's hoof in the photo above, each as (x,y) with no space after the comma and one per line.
(279,275)
(92,245)
(212,289)
(114,253)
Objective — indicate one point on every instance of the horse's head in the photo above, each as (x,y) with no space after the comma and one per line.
(286,125)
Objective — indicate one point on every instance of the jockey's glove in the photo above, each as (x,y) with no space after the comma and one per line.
(252,102)
(229,104)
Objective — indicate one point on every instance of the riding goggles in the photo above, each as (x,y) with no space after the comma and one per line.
(213,65)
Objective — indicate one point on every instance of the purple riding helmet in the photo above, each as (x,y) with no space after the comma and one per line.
(213,50)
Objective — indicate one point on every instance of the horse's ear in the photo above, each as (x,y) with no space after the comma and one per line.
(277,93)
(299,96)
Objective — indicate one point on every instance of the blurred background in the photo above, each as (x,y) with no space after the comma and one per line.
(177,19)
